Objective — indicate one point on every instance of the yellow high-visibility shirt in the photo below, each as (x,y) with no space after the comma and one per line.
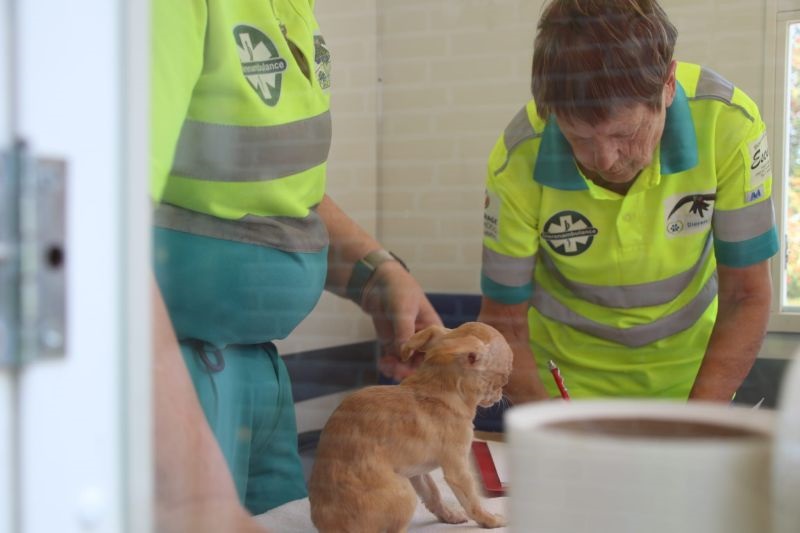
(623,287)
(240,110)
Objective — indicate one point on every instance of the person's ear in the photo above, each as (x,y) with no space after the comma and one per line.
(670,84)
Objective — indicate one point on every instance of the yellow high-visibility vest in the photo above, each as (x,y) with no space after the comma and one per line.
(245,111)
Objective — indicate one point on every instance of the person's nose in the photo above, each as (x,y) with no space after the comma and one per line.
(605,155)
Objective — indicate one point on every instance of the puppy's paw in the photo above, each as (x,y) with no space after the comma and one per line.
(490,521)
(451,516)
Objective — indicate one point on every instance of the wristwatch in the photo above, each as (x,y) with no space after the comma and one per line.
(364,268)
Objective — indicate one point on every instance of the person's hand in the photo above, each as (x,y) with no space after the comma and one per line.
(398,308)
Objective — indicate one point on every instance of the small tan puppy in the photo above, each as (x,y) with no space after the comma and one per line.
(379,445)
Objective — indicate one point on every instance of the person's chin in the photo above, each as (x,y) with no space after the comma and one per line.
(616,178)
(620,177)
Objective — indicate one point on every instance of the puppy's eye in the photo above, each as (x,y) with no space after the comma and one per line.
(472,357)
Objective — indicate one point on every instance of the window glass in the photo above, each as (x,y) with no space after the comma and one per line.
(792,177)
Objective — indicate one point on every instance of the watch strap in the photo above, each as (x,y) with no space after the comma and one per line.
(363,270)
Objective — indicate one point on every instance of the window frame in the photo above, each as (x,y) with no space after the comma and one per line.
(776,101)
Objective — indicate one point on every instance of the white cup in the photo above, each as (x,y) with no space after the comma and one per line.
(786,454)
(639,466)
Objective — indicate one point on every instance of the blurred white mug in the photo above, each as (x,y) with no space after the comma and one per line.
(639,466)
(786,460)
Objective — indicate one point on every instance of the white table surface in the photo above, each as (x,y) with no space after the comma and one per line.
(295,517)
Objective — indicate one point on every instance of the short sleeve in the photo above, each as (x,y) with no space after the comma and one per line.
(510,235)
(744,221)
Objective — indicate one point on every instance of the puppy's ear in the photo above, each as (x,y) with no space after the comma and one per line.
(471,352)
(421,340)
(468,352)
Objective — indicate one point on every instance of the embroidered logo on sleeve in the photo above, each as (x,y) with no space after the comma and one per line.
(491,215)
(322,62)
(760,164)
(755,194)
(262,65)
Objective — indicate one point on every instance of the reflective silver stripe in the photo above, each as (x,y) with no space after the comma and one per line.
(285,233)
(712,86)
(634,336)
(518,130)
(629,296)
(743,224)
(216,152)
(506,270)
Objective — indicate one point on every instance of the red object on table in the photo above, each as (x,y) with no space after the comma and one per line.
(483,458)
(559,380)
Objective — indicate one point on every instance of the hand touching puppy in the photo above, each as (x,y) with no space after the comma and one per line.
(378,447)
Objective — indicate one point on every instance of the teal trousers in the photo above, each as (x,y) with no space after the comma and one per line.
(227,301)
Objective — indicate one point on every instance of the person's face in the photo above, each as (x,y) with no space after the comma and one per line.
(617,149)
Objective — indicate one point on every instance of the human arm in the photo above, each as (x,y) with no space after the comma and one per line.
(194,490)
(392,297)
(745,237)
(743,310)
(511,320)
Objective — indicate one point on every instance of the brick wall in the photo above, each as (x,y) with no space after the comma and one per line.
(725,36)
(452,74)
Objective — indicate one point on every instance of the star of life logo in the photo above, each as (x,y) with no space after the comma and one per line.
(687,214)
(569,233)
(262,65)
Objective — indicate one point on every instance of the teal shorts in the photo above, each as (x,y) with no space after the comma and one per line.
(249,406)
(227,301)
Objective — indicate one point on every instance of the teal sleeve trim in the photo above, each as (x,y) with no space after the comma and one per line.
(749,252)
(505,294)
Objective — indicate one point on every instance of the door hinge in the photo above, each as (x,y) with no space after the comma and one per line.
(32,257)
